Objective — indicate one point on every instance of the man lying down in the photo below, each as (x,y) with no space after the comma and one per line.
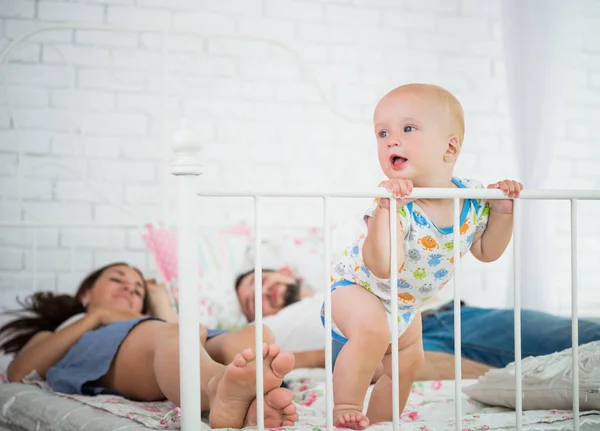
(292,311)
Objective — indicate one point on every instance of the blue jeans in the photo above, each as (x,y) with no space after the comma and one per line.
(211,333)
(487,334)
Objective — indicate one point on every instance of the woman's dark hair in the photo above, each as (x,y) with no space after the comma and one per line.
(45,311)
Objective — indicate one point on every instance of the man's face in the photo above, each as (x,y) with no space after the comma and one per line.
(278,291)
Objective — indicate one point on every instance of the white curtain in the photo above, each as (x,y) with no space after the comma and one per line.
(538,43)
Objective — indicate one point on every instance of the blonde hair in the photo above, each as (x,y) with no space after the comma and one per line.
(449,103)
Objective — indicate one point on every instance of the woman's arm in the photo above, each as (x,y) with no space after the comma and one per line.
(47,348)
(310,359)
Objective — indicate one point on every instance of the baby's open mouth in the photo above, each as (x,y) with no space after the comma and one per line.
(397,161)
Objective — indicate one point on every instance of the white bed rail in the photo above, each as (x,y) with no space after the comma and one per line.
(190,392)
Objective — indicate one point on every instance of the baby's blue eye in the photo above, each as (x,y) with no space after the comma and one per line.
(383,134)
(409,129)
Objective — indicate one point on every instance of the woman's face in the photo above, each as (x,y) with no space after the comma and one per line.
(118,287)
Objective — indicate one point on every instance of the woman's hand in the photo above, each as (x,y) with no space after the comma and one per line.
(158,295)
(159,301)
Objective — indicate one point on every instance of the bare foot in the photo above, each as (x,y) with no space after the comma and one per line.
(348,416)
(279,410)
(231,394)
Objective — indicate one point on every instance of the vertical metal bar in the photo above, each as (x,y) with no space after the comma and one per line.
(328,337)
(34,246)
(260,407)
(574,314)
(517,317)
(394,305)
(189,330)
(457,333)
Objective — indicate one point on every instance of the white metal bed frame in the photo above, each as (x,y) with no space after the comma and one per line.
(186,166)
(188,293)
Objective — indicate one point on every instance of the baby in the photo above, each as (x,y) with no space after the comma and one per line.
(419,131)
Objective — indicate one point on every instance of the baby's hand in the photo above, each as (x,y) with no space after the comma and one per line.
(511,189)
(400,189)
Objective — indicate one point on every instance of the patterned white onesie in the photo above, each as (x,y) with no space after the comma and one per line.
(428,261)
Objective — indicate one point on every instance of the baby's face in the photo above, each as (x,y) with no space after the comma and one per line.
(412,136)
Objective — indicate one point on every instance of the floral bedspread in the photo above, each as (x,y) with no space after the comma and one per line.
(429,408)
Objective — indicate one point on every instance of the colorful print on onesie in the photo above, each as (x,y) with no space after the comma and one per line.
(428,261)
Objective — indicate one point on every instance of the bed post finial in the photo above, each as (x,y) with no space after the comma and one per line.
(185,165)
(186,151)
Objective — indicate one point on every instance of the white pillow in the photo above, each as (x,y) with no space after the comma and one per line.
(220,254)
(301,250)
(547,382)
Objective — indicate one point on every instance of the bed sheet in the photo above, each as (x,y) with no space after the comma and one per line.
(430,408)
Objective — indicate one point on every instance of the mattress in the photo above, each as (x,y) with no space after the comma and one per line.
(32,406)
(25,407)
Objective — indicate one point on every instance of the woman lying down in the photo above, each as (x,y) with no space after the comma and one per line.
(117,336)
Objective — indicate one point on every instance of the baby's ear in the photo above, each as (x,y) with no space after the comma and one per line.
(452,150)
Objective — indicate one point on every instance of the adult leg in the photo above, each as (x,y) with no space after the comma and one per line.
(410,361)
(440,366)
(488,334)
(544,333)
(438,344)
(146,367)
(224,347)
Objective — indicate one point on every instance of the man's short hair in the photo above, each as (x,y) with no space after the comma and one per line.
(239,278)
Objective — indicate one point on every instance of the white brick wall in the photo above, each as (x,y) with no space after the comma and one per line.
(51,11)
(88,117)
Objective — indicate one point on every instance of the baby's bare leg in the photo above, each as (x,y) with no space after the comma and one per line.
(361,317)
(440,366)
(410,361)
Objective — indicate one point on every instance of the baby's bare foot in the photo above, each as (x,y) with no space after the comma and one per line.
(348,416)
(279,410)
(231,395)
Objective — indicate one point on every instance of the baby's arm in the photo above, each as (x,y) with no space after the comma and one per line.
(491,244)
(376,248)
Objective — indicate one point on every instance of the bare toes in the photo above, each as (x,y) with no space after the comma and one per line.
(280,399)
(239,360)
(289,410)
(273,350)
(248,354)
(283,363)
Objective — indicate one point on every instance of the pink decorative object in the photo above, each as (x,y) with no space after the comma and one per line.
(163,245)
(409,416)
(241,229)
(436,385)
